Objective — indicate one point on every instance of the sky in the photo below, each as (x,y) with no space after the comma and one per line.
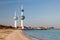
(37,12)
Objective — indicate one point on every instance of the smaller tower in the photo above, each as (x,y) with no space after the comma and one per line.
(15,20)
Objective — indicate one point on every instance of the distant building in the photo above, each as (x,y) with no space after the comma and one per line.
(50,28)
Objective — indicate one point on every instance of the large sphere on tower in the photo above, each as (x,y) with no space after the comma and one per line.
(22,17)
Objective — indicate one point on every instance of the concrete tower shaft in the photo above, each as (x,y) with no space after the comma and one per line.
(15,20)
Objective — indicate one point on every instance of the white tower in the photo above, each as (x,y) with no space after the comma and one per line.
(15,20)
(22,17)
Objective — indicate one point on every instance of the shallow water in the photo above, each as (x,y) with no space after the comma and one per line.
(43,34)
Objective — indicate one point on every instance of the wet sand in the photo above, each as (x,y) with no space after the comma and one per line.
(11,34)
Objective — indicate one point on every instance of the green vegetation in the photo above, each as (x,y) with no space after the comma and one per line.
(26,28)
(5,27)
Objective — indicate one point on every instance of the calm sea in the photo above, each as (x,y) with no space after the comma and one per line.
(43,34)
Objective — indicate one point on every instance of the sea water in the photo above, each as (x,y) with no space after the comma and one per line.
(43,34)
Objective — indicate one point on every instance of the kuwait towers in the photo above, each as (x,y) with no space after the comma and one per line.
(22,17)
(15,20)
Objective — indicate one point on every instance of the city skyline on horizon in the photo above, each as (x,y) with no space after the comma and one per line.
(37,12)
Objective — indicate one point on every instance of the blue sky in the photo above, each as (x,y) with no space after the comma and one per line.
(37,12)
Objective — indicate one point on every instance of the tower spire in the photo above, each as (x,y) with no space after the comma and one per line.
(15,13)
(22,6)
(22,10)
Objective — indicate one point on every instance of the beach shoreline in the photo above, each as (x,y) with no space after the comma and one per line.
(12,34)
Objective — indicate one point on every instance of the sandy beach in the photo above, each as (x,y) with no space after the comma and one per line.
(11,34)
